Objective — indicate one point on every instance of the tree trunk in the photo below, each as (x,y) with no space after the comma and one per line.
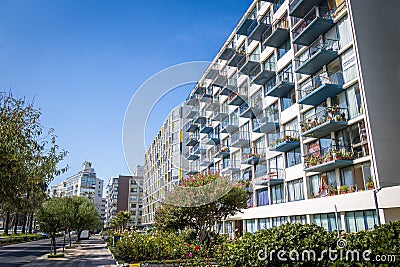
(53,241)
(79,236)
(7,223)
(15,223)
(30,222)
(69,236)
(23,230)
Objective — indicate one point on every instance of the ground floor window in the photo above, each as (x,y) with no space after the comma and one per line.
(328,221)
(298,219)
(228,227)
(360,220)
(278,221)
(264,223)
(251,226)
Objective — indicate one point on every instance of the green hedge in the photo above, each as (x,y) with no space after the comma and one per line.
(256,249)
(13,239)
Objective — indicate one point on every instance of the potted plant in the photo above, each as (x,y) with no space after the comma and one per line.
(343,189)
(352,188)
(328,157)
(332,189)
(370,183)
(339,155)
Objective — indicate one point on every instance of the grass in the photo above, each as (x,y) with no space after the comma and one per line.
(59,255)
(70,247)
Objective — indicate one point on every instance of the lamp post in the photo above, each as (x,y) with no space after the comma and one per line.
(376,190)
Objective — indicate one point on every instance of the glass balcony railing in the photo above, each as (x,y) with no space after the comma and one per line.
(266,124)
(228,51)
(320,124)
(200,117)
(191,156)
(320,53)
(257,28)
(240,139)
(222,151)
(192,100)
(299,8)
(191,127)
(276,34)
(248,63)
(230,125)
(240,53)
(248,22)
(212,71)
(230,86)
(269,176)
(206,127)
(329,158)
(191,112)
(192,140)
(231,166)
(282,85)
(237,98)
(315,23)
(263,72)
(284,141)
(254,157)
(321,87)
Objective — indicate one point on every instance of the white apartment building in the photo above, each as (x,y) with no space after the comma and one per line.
(300,103)
(84,183)
(165,162)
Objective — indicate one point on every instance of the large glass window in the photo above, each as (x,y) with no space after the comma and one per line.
(278,221)
(250,226)
(344,30)
(293,157)
(264,223)
(298,219)
(349,66)
(277,194)
(262,197)
(288,100)
(360,220)
(328,221)
(354,101)
(284,48)
(295,190)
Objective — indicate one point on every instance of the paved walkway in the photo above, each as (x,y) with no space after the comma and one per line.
(88,253)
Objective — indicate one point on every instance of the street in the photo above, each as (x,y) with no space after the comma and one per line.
(23,253)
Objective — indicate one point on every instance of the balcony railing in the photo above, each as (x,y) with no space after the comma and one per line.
(228,51)
(240,139)
(206,127)
(191,156)
(240,53)
(276,34)
(257,28)
(237,98)
(320,53)
(253,158)
(284,141)
(222,151)
(322,123)
(191,112)
(322,86)
(192,100)
(266,124)
(315,23)
(281,86)
(329,158)
(248,63)
(269,176)
(230,125)
(200,118)
(299,8)
(263,73)
(211,139)
(243,29)
(191,127)
(232,166)
(221,78)
(212,71)
(192,140)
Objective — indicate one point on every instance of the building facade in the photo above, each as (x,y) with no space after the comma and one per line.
(84,183)
(165,162)
(124,193)
(287,107)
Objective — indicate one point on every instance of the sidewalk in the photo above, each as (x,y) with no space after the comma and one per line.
(92,252)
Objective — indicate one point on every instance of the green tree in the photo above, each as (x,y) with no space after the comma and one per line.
(86,216)
(201,218)
(120,220)
(50,218)
(28,158)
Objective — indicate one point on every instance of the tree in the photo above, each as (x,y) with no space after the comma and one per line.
(50,218)
(120,220)
(86,216)
(222,199)
(28,158)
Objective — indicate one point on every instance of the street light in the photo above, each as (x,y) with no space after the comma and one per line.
(376,190)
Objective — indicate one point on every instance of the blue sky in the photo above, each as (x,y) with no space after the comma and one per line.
(83,60)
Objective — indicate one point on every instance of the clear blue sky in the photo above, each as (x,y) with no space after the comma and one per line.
(82,60)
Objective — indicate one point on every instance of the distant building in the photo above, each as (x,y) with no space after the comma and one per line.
(124,193)
(84,183)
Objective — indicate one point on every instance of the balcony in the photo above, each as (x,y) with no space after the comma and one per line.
(191,113)
(192,171)
(221,78)
(212,72)
(276,34)
(257,28)
(316,22)
(328,159)
(284,141)
(228,51)
(211,140)
(207,162)
(247,65)
(263,73)
(222,152)
(269,176)
(322,86)
(318,54)
(200,118)
(239,97)
(266,124)
(192,100)
(207,95)
(192,140)
(237,57)
(246,111)
(230,87)
(322,123)
(283,84)
(253,158)
(240,139)
(199,90)
(191,156)
(213,104)
(230,127)
(220,116)
(206,128)
(299,8)
(247,22)
(191,127)
(232,167)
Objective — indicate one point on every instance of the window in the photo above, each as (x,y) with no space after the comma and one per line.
(346,176)
(328,221)
(354,101)
(278,221)
(133,206)
(349,65)
(360,220)
(228,227)
(295,190)
(250,226)
(264,223)
(262,197)
(277,194)
(293,157)
(288,100)
(344,30)
(284,48)
(298,219)
(133,190)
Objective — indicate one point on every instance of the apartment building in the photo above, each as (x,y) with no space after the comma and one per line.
(84,183)
(165,162)
(124,193)
(299,103)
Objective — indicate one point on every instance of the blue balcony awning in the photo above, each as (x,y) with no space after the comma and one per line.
(280,89)
(329,166)
(285,146)
(263,76)
(299,8)
(325,128)
(320,94)
(227,53)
